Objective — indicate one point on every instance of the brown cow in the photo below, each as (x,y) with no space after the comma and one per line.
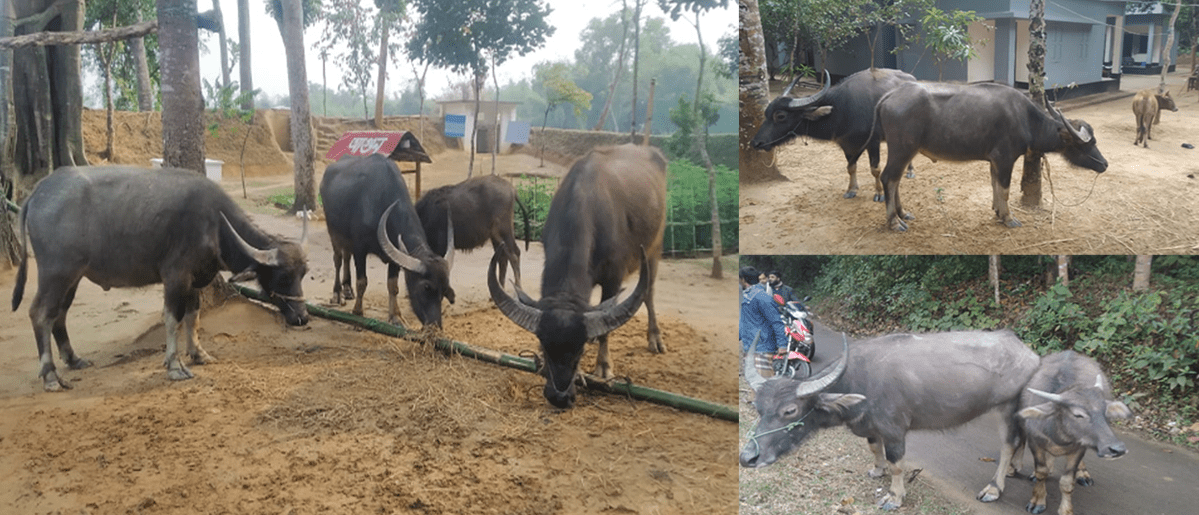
(1147,108)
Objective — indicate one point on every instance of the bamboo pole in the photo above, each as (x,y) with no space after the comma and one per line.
(491,356)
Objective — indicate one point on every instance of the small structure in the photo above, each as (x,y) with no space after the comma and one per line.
(399,146)
(485,139)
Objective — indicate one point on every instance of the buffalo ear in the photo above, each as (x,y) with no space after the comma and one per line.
(818,113)
(1117,409)
(838,403)
(1038,411)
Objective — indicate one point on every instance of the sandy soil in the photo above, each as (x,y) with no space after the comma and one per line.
(1147,202)
(337,420)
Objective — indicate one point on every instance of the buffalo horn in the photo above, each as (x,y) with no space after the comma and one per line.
(398,256)
(526,316)
(1050,396)
(815,386)
(449,240)
(752,376)
(809,100)
(1081,137)
(603,321)
(263,257)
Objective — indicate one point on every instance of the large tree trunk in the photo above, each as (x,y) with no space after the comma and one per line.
(243,44)
(755,165)
(700,142)
(9,246)
(301,124)
(145,92)
(47,91)
(1030,182)
(624,37)
(993,275)
(1140,275)
(179,58)
(1161,86)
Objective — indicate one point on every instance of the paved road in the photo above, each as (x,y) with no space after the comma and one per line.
(1152,479)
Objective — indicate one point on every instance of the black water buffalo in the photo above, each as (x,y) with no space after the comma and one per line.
(884,387)
(1065,411)
(1147,107)
(981,122)
(128,227)
(366,207)
(606,220)
(482,211)
(843,114)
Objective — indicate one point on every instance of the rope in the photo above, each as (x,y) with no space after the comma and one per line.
(1052,193)
(788,427)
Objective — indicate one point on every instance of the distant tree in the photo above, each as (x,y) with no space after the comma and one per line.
(463,35)
(618,68)
(560,90)
(947,35)
(348,39)
(391,13)
(245,73)
(727,45)
(133,69)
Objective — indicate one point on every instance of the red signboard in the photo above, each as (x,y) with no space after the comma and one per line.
(363,143)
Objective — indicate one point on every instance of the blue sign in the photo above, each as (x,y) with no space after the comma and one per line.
(455,125)
(518,132)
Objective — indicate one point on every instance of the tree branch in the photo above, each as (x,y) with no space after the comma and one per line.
(80,38)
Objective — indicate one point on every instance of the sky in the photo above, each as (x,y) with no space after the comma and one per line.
(569,17)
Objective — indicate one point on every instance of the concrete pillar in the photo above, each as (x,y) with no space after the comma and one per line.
(1118,45)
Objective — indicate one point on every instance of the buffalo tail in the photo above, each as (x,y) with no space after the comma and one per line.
(525,214)
(18,290)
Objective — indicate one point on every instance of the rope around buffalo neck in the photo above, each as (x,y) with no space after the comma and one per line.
(788,427)
(1053,193)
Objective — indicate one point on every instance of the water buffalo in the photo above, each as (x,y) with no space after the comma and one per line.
(843,114)
(367,207)
(884,387)
(127,227)
(482,211)
(1065,411)
(981,122)
(1147,108)
(606,220)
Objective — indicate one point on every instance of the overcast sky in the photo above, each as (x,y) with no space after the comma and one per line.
(569,17)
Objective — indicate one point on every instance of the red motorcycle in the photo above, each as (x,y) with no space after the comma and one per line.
(795,361)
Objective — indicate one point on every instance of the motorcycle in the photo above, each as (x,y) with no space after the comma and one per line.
(795,361)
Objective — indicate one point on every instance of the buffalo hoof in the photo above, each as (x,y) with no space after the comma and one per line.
(911,174)
(202,357)
(655,344)
(850,194)
(1084,480)
(899,225)
(603,371)
(890,503)
(1035,508)
(907,215)
(1013,223)
(53,384)
(878,197)
(179,374)
(79,363)
(876,472)
(989,494)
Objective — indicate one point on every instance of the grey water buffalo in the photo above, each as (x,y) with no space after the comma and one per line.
(1147,107)
(605,221)
(883,387)
(1065,411)
(128,227)
(843,114)
(981,122)
(482,211)
(367,207)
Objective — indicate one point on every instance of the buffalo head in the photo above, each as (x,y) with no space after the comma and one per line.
(788,117)
(564,326)
(1078,143)
(280,272)
(426,275)
(1081,414)
(789,410)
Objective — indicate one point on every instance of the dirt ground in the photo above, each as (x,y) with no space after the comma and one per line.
(330,419)
(1147,202)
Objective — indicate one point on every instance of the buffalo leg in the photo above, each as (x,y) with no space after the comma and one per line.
(1001,181)
(360,268)
(1066,483)
(393,292)
(62,339)
(894,499)
(1042,461)
(501,248)
(341,279)
(1012,442)
(191,320)
(872,154)
(177,300)
(896,216)
(880,459)
(48,316)
(603,363)
(1082,477)
(652,334)
(851,157)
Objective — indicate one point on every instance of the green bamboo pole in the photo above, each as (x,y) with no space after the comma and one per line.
(447,346)
(11,206)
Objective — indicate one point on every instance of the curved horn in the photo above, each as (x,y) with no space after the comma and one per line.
(752,376)
(527,317)
(809,100)
(792,85)
(262,257)
(814,386)
(1083,137)
(1049,396)
(449,239)
(398,256)
(603,321)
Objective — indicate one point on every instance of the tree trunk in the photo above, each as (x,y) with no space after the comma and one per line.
(624,37)
(700,142)
(636,65)
(649,114)
(495,150)
(1140,275)
(106,56)
(379,93)
(477,82)
(301,119)
(755,165)
(183,130)
(1161,86)
(224,44)
(145,93)
(993,275)
(9,246)
(243,44)
(1063,269)
(47,92)
(1030,182)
